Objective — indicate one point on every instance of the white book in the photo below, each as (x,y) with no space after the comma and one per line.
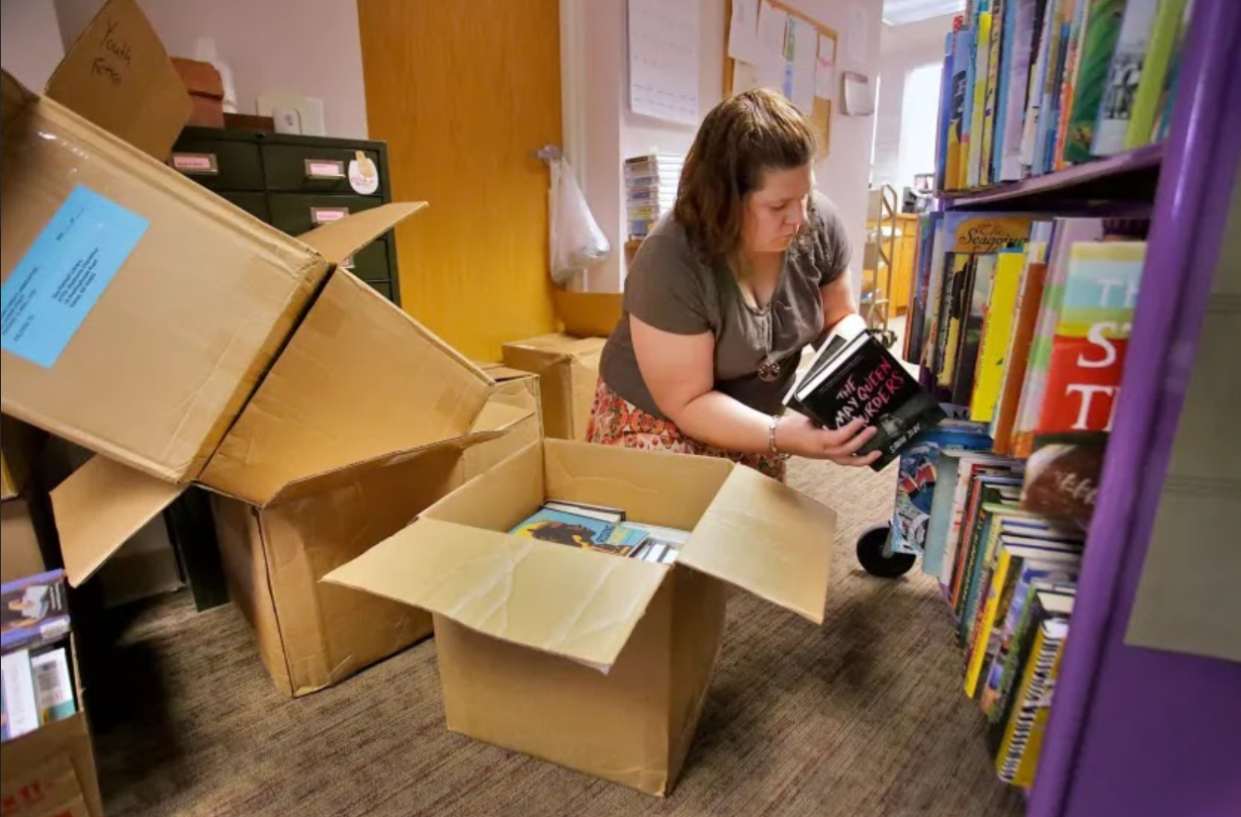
(842,334)
(21,706)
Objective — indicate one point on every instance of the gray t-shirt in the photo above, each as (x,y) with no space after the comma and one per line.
(671,288)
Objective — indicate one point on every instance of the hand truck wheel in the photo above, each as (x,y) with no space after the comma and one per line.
(871,553)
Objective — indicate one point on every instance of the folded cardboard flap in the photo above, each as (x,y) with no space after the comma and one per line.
(118,76)
(360,379)
(99,508)
(339,240)
(329,480)
(157,361)
(768,540)
(563,601)
(13,100)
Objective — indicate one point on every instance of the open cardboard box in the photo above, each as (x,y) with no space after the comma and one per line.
(312,636)
(568,362)
(18,444)
(141,310)
(589,661)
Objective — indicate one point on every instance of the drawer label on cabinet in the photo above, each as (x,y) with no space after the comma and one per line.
(363,175)
(58,282)
(327,215)
(318,169)
(197,164)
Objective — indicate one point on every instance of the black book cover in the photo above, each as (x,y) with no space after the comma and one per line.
(873,385)
(973,314)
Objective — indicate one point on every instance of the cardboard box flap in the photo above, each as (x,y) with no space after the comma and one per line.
(550,349)
(339,240)
(118,76)
(100,508)
(321,483)
(499,415)
(360,379)
(589,314)
(766,539)
(558,600)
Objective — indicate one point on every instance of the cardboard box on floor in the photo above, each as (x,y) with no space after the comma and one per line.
(51,773)
(568,363)
(310,635)
(589,661)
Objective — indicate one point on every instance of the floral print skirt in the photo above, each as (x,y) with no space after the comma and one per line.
(616,421)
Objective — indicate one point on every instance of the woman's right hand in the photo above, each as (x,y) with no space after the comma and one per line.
(798,435)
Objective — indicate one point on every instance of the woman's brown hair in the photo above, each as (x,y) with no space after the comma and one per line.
(740,140)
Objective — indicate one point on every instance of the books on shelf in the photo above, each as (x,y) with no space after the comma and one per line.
(651,184)
(37,686)
(603,530)
(1018,756)
(855,377)
(1036,86)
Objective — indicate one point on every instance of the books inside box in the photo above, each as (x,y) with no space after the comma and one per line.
(603,530)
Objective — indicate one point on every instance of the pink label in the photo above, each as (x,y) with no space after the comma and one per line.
(325,170)
(193,163)
(327,216)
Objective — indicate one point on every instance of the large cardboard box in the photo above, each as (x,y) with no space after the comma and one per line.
(360,380)
(596,663)
(310,635)
(568,363)
(141,310)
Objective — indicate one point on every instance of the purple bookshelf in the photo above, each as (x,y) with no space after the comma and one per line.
(1136,732)
(1140,166)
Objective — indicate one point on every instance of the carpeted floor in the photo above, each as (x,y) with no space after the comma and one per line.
(863,718)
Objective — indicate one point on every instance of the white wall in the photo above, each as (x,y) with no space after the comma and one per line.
(306,47)
(30,45)
(904,49)
(596,78)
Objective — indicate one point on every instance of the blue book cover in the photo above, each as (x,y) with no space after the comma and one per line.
(1008,45)
(579,531)
(945,114)
(916,485)
(33,610)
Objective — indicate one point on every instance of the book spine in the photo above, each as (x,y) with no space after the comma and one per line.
(1068,90)
(1155,73)
(1096,60)
(1124,77)
(982,69)
(945,114)
(1034,687)
(983,632)
(20,702)
(967,550)
(1018,356)
(993,92)
(997,334)
(1038,82)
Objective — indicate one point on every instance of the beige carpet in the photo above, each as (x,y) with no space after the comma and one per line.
(863,718)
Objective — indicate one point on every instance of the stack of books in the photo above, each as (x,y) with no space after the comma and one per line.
(1035,86)
(603,530)
(35,656)
(651,184)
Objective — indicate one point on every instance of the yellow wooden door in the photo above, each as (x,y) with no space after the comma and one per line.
(464,92)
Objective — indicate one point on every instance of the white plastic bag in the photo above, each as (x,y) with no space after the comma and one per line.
(577,242)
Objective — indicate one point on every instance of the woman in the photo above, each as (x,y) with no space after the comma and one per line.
(725,295)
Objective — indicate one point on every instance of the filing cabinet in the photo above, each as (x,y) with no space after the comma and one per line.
(296,183)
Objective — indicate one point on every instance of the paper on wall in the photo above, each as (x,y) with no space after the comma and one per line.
(805,43)
(663,59)
(825,70)
(773,25)
(743,41)
(802,91)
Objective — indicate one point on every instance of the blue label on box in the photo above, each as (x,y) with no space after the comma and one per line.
(58,282)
